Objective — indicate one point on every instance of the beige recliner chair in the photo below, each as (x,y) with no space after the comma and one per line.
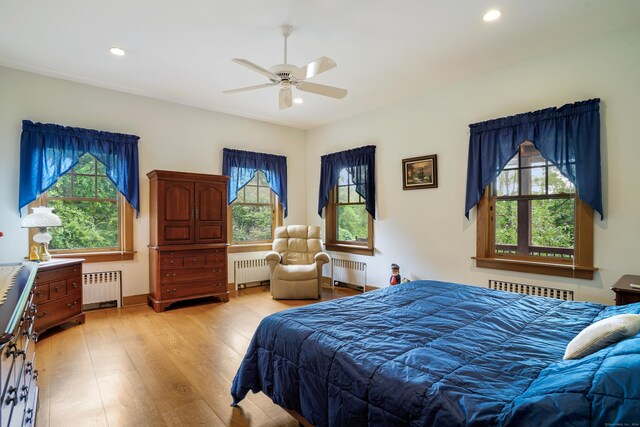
(296,262)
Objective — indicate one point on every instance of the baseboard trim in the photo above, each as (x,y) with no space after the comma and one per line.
(134,300)
(231,287)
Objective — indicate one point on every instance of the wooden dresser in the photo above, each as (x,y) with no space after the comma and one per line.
(625,294)
(58,293)
(188,237)
(19,389)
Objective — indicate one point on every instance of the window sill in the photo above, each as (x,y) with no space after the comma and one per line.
(352,249)
(98,256)
(564,270)
(249,247)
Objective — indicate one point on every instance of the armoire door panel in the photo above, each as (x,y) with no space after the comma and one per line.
(209,202)
(210,232)
(174,233)
(178,204)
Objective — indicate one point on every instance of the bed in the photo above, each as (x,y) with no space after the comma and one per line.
(434,353)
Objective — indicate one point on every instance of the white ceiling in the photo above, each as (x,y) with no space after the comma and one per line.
(181,51)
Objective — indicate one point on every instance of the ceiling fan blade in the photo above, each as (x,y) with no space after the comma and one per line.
(333,92)
(258,69)
(314,68)
(244,89)
(285,98)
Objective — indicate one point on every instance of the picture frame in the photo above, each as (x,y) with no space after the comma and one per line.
(420,172)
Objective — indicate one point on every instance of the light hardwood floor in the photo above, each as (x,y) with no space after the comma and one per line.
(134,367)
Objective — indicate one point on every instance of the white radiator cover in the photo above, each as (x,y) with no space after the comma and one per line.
(250,271)
(349,272)
(101,287)
(535,290)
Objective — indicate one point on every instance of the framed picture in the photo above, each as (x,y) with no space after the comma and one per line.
(420,172)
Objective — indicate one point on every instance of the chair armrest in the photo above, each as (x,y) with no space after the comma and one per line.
(273,258)
(322,258)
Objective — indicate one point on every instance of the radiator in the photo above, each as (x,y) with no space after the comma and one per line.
(250,272)
(538,291)
(102,288)
(352,274)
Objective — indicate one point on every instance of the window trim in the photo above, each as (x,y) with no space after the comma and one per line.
(581,267)
(126,251)
(332,243)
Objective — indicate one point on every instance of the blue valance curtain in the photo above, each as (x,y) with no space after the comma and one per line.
(361,165)
(241,167)
(48,151)
(568,137)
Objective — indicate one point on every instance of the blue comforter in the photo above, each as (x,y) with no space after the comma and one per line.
(433,353)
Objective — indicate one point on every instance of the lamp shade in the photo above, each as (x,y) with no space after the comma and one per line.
(41,216)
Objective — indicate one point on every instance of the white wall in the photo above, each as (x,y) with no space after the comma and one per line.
(425,231)
(172,137)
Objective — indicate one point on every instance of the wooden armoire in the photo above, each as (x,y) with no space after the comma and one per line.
(188,237)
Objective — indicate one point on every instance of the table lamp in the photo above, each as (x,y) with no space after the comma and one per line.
(42,217)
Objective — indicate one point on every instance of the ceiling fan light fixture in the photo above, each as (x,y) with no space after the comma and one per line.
(492,15)
(117,51)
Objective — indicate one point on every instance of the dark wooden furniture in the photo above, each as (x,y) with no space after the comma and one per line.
(19,389)
(58,293)
(188,237)
(625,294)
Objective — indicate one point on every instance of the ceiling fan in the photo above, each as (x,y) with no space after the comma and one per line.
(286,76)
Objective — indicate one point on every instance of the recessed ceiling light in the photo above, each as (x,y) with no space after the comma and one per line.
(116,51)
(298,100)
(492,15)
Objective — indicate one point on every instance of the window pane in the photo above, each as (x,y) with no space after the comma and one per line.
(506,226)
(85,225)
(507,183)
(83,186)
(250,194)
(251,223)
(62,188)
(343,194)
(558,184)
(553,223)
(532,181)
(264,195)
(262,179)
(101,169)
(87,164)
(344,177)
(513,163)
(530,156)
(354,197)
(353,223)
(106,189)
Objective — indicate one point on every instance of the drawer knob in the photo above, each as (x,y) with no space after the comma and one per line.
(25,392)
(174,274)
(74,285)
(38,294)
(73,304)
(41,315)
(195,260)
(172,291)
(171,262)
(57,288)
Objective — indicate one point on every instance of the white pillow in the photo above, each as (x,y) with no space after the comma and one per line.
(602,333)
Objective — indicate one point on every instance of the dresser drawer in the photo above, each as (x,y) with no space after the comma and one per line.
(41,293)
(216,258)
(74,285)
(198,288)
(171,262)
(57,289)
(189,275)
(57,274)
(57,310)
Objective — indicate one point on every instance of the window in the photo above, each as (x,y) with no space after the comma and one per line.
(254,214)
(531,220)
(349,227)
(97,222)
